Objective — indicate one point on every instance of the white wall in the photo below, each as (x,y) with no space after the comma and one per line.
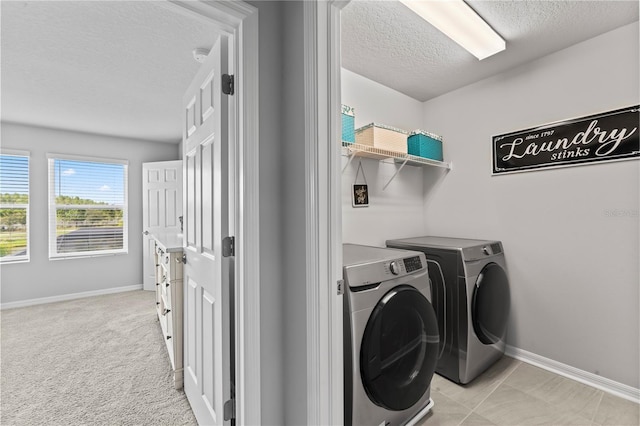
(394,212)
(573,267)
(42,277)
(375,103)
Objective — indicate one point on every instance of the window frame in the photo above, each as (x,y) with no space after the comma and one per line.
(27,257)
(53,207)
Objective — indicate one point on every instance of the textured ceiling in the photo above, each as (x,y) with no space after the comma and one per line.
(120,67)
(386,42)
(109,67)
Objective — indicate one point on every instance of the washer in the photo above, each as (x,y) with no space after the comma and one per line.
(471,298)
(390,336)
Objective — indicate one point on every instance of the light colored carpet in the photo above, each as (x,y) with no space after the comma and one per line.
(94,361)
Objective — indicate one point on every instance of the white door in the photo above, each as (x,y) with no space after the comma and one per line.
(206,272)
(161,209)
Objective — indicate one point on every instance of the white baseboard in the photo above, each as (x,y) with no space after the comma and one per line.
(607,385)
(63,297)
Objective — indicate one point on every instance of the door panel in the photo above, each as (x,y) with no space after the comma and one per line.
(207,205)
(208,342)
(161,208)
(190,329)
(190,184)
(207,272)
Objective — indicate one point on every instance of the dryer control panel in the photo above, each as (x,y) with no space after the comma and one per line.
(482,251)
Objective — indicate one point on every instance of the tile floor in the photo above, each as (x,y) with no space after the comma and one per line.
(514,393)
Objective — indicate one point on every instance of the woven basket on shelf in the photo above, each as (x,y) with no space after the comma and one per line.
(348,121)
(382,137)
(425,144)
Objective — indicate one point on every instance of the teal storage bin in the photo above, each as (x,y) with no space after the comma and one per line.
(425,144)
(348,124)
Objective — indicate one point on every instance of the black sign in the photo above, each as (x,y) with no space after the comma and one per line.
(609,136)
(360,195)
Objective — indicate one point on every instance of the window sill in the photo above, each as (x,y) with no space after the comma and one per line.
(12,261)
(85,256)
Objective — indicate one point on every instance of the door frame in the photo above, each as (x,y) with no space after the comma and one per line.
(323,202)
(239,21)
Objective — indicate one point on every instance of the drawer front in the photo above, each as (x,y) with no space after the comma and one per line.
(166,293)
(168,317)
(174,264)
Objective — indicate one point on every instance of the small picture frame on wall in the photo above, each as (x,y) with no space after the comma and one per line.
(360,195)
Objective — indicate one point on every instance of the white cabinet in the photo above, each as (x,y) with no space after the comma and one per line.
(168,261)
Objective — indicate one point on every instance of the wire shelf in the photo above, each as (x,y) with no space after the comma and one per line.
(366,151)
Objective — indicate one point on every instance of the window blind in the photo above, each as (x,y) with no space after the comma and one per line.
(14,207)
(87,207)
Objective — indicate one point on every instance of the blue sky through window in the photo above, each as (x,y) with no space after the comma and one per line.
(100,182)
(14,177)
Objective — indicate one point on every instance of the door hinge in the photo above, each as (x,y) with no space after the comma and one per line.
(340,287)
(228,246)
(227,84)
(230,409)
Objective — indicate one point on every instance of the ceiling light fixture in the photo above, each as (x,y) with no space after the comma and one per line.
(460,23)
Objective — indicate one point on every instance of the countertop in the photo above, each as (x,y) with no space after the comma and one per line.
(169,241)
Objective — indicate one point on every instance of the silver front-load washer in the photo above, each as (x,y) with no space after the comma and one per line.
(471,298)
(390,336)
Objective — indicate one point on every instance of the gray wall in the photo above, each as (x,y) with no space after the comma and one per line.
(403,196)
(42,277)
(271,266)
(282,214)
(573,266)
(292,182)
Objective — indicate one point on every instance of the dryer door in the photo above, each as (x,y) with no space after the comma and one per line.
(491,304)
(399,349)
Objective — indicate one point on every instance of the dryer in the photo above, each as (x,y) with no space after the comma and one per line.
(471,298)
(390,336)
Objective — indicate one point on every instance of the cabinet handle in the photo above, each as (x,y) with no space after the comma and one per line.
(157,303)
(165,311)
(157,284)
(168,337)
(167,284)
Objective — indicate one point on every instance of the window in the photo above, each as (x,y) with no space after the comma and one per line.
(87,206)
(14,206)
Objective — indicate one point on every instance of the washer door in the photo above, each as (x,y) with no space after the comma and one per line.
(491,304)
(399,349)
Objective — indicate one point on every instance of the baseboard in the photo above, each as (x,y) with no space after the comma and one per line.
(63,297)
(607,385)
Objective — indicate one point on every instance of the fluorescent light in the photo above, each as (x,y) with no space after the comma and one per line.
(460,23)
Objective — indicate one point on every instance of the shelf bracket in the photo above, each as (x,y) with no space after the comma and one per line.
(396,173)
(351,155)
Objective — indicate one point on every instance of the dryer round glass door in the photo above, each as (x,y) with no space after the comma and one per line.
(399,349)
(491,304)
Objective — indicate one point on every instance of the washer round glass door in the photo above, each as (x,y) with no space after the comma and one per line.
(491,304)
(399,349)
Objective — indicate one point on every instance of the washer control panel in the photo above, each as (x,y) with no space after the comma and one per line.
(404,266)
(412,264)
(368,266)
